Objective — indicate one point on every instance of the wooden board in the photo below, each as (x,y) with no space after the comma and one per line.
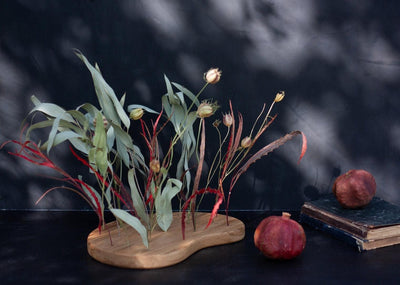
(123,247)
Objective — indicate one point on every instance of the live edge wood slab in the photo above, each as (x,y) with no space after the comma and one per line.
(123,247)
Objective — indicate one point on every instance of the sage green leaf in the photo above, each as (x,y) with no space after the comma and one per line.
(189,94)
(123,136)
(52,110)
(90,194)
(122,152)
(108,101)
(35,100)
(121,112)
(96,66)
(122,100)
(92,110)
(137,199)
(188,140)
(138,160)
(170,92)
(123,142)
(177,118)
(79,117)
(163,203)
(181,99)
(39,125)
(133,222)
(136,106)
(107,193)
(110,137)
(53,132)
(101,88)
(80,145)
(63,136)
(100,145)
(182,167)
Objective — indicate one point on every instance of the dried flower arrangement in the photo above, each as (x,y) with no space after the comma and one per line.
(101,140)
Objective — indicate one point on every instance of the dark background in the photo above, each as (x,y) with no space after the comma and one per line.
(338,61)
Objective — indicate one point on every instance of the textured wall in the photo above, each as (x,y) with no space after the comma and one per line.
(338,61)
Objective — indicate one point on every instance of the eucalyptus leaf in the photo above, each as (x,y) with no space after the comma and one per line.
(122,136)
(79,117)
(107,193)
(100,145)
(170,91)
(63,136)
(182,167)
(90,193)
(137,199)
(122,152)
(163,203)
(166,105)
(35,100)
(80,145)
(52,110)
(133,222)
(108,101)
(181,99)
(53,132)
(122,100)
(136,106)
(138,160)
(92,110)
(39,125)
(187,92)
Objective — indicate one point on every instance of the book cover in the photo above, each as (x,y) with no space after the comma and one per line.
(379,219)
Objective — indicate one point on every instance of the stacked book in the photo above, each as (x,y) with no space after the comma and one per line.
(374,226)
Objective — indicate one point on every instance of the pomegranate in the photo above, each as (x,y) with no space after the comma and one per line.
(279,237)
(354,189)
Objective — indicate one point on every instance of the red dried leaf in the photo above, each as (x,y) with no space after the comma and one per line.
(101,178)
(303,147)
(193,196)
(263,152)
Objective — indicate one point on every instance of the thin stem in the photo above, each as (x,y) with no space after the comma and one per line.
(197,96)
(213,169)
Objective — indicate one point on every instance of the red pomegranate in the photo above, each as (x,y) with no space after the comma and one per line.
(354,189)
(279,237)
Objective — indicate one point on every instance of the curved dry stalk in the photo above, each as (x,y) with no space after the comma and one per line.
(263,152)
(199,169)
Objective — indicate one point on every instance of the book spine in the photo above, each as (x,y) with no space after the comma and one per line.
(335,232)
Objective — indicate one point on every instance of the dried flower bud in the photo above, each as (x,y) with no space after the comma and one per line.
(206,109)
(279,96)
(155,165)
(105,122)
(246,142)
(136,114)
(212,76)
(227,120)
(216,123)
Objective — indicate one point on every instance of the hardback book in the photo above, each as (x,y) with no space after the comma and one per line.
(374,226)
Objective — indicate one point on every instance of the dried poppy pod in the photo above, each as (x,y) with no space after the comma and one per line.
(212,76)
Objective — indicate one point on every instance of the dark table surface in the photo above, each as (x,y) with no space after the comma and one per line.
(50,248)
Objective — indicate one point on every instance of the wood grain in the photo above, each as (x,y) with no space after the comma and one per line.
(123,247)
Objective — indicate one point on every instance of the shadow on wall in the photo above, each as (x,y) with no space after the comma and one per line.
(338,61)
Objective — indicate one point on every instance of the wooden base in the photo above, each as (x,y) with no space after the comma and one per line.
(123,247)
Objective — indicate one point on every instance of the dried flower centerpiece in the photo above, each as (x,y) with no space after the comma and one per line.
(137,185)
